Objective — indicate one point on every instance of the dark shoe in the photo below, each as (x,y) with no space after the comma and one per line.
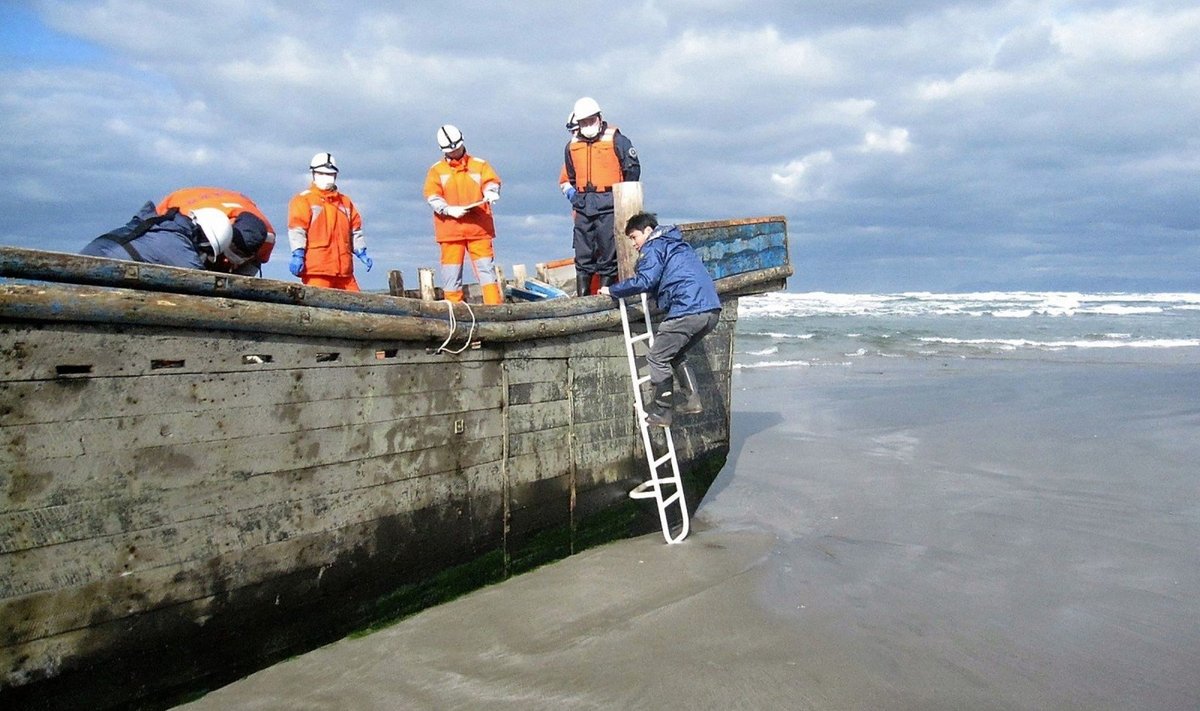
(659,414)
(659,418)
(583,283)
(687,392)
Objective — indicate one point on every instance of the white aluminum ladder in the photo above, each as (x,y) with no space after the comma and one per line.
(667,491)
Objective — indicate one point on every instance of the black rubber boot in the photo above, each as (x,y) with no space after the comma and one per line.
(583,283)
(659,414)
(687,392)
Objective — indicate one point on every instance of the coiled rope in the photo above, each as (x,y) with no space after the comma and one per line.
(454,326)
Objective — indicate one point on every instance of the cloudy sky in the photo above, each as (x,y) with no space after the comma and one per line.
(918,145)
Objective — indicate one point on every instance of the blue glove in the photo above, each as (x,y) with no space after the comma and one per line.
(297,264)
(362,257)
(571,194)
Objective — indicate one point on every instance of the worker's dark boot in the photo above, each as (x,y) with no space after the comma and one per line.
(583,282)
(607,280)
(687,392)
(659,414)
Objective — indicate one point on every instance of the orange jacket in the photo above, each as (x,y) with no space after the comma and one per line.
(326,224)
(461,182)
(230,202)
(596,162)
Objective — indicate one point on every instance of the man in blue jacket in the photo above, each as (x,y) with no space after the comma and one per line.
(201,238)
(671,271)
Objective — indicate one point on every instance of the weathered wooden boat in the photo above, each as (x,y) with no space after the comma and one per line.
(203,473)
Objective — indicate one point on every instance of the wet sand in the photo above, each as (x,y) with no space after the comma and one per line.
(896,535)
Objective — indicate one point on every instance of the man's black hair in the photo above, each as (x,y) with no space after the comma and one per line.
(641,221)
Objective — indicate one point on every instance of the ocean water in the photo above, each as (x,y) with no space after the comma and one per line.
(827,329)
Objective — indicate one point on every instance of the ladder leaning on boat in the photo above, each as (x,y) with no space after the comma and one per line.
(667,491)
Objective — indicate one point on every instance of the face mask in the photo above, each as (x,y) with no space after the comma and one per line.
(324,181)
(591,130)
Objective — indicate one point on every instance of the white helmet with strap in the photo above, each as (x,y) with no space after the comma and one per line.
(216,228)
(449,138)
(323,163)
(586,107)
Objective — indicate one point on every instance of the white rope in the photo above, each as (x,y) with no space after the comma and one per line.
(454,326)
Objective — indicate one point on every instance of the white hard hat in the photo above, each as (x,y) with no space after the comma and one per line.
(216,227)
(449,138)
(584,108)
(323,163)
(572,124)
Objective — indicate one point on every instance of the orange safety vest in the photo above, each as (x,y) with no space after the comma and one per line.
(595,162)
(328,221)
(461,182)
(231,202)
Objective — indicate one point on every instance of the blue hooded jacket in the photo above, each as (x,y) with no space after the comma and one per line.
(671,271)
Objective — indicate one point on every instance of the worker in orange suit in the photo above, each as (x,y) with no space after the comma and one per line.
(325,231)
(461,189)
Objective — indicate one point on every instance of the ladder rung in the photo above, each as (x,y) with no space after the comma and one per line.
(643,379)
(642,337)
(664,458)
(646,490)
(672,498)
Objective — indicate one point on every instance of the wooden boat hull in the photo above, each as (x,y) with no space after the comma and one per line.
(195,486)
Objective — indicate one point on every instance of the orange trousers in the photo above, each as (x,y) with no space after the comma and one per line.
(482,261)
(348,283)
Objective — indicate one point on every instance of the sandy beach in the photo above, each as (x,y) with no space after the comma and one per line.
(916,534)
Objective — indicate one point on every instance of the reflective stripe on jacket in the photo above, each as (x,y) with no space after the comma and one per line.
(461,182)
(231,202)
(326,224)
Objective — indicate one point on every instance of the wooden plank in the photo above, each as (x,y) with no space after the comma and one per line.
(627,201)
(77,563)
(530,442)
(142,505)
(537,416)
(136,592)
(61,399)
(76,437)
(34,352)
(240,458)
(530,393)
(729,250)
(520,369)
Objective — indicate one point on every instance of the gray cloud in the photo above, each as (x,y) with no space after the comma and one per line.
(926,145)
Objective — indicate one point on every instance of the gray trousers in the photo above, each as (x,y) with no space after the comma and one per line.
(674,338)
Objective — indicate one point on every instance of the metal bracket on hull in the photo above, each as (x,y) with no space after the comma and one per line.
(667,491)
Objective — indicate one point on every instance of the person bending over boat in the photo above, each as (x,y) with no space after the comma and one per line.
(324,230)
(670,271)
(597,157)
(461,189)
(197,228)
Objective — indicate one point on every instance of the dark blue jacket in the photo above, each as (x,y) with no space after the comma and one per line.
(171,240)
(671,271)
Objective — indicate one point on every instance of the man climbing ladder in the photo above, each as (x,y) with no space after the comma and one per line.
(670,270)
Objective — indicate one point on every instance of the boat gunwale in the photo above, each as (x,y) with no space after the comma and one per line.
(61,302)
(64,267)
